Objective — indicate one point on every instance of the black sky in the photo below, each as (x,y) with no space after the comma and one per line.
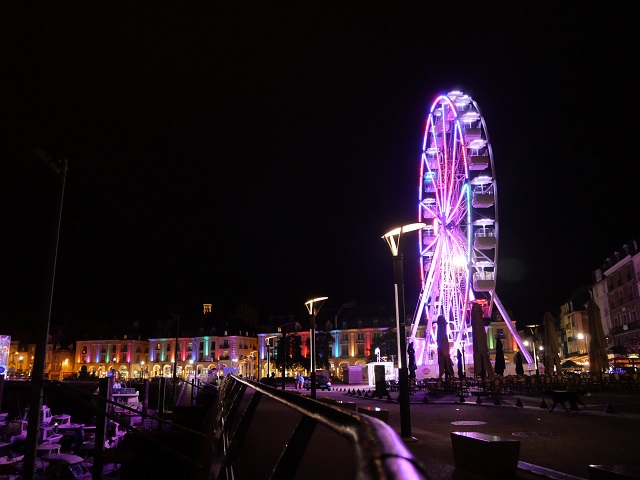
(224,153)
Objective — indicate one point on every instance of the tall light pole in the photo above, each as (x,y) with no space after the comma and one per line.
(313,307)
(39,362)
(393,240)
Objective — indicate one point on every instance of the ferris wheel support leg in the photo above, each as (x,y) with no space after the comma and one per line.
(512,329)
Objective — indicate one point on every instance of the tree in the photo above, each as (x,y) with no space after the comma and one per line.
(293,353)
(388,345)
(324,342)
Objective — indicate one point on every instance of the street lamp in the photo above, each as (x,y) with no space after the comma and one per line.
(393,240)
(313,307)
(582,336)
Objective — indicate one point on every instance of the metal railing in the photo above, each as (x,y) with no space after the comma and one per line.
(379,453)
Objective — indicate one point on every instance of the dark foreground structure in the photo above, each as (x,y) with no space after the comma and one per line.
(242,429)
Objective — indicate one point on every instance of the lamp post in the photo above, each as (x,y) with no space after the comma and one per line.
(313,307)
(39,363)
(393,240)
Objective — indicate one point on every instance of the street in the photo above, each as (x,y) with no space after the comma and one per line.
(603,432)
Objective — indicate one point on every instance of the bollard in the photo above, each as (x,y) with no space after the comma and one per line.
(519,403)
(544,404)
(609,408)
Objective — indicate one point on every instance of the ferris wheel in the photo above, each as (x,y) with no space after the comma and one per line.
(457,202)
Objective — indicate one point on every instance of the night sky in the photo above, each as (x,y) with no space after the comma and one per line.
(221,153)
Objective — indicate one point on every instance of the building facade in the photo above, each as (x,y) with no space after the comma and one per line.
(123,357)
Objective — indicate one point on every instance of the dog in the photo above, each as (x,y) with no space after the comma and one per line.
(564,397)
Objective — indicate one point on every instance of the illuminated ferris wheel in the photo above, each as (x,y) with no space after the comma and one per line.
(458,205)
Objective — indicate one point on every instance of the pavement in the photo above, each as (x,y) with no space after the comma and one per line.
(559,444)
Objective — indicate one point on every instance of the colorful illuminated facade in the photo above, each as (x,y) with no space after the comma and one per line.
(201,355)
(124,357)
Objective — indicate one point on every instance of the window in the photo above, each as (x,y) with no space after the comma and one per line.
(201,345)
(213,346)
(360,338)
(361,350)
(123,348)
(189,346)
(123,358)
(168,347)
(344,338)
(344,350)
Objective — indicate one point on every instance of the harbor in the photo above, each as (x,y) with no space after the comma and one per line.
(85,427)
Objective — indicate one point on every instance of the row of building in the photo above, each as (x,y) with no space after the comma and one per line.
(249,350)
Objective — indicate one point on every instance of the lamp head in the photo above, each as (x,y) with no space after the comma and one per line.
(393,237)
(315,304)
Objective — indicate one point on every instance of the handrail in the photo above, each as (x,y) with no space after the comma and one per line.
(379,451)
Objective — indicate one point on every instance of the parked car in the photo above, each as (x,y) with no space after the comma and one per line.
(322,382)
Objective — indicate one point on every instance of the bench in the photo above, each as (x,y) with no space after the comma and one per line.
(375,412)
(484,454)
(613,472)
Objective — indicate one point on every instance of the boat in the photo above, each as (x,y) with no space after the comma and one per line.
(65,465)
(49,434)
(61,420)
(45,415)
(114,434)
(15,431)
(9,459)
(127,405)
